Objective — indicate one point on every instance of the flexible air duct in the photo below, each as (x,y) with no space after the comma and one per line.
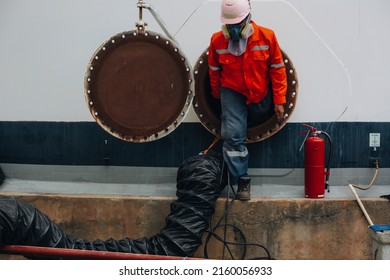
(198,187)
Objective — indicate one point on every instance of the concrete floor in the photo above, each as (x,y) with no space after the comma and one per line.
(161,182)
(101,203)
(265,190)
(290,228)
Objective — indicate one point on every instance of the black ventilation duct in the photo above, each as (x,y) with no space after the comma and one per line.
(198,187)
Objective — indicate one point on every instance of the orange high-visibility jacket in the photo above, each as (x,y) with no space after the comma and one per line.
(251,72)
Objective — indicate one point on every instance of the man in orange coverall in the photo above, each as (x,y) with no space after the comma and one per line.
(248,74)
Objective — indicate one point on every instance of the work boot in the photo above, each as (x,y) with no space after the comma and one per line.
(244,188)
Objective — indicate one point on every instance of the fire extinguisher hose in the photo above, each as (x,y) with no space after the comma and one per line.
(327,174)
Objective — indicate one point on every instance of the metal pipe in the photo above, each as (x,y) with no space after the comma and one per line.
(160,22)
(141,5)
(75,254)
(140,24)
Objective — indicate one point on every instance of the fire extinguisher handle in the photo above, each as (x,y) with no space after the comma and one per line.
(312,128)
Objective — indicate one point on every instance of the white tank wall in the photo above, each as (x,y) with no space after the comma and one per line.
(339,49)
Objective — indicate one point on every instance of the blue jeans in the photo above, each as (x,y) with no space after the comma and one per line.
(233,132)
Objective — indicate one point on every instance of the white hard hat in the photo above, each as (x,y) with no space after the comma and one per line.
(234,11)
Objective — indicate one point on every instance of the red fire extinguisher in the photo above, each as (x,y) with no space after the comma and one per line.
(316,177)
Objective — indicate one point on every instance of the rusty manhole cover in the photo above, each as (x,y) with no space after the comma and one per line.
(138,86)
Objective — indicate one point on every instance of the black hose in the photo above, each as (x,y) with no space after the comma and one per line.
(226,244)
(329,159)
(2,176)
(238,232)
(198,187)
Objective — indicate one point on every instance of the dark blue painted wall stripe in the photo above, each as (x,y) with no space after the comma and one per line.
(85,143)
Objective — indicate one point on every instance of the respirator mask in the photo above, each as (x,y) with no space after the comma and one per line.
(236,31)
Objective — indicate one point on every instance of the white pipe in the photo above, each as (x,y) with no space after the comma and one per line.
(141,5)
(361,205)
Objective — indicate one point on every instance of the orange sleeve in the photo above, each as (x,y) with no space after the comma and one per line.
(214,71)
(277,72)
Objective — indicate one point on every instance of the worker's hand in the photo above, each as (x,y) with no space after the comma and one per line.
(279,111)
